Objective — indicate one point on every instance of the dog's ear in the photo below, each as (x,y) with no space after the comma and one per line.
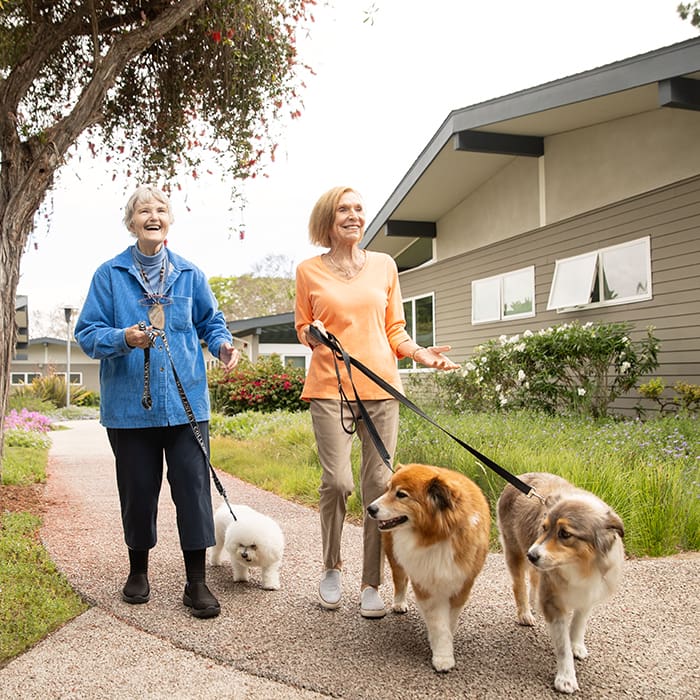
(604,537)
(551,499)
(439,494)
(614,522)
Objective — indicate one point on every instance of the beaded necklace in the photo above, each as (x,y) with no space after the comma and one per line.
(155,300)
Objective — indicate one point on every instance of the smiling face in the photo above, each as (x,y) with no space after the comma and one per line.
(150,223)
(349,224)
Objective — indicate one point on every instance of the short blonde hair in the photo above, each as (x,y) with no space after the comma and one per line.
(143,193)
(323,215)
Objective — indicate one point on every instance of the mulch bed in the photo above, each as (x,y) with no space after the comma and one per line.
(22,499)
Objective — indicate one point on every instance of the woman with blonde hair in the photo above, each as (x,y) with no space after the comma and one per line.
(353,294)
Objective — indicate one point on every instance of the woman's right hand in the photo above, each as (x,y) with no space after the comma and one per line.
(136,338)
(310,340)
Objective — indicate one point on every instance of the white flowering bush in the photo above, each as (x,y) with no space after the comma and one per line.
(571,368)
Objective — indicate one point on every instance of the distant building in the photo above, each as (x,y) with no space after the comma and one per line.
(268,335)
(46,356)
(22,323)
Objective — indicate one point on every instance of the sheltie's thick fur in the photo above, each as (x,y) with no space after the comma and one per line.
(435,528)
(572,548)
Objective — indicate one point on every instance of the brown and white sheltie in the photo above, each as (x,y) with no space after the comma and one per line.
(572,548)
(435,528)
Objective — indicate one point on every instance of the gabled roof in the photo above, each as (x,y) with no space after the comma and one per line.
(474,143)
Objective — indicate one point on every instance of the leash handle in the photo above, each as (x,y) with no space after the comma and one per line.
(331,342)
(339,353)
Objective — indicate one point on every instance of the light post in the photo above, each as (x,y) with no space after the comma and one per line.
(68,310)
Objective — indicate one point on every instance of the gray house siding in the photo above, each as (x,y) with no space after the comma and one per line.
(670,216)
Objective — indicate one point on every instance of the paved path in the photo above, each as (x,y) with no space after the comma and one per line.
(281,644)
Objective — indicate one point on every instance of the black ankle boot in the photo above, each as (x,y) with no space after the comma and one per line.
(197,596)
(200,600)
(136,589)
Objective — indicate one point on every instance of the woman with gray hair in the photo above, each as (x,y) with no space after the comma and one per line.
(149,302)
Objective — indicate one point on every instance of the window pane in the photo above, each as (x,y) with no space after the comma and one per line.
(295,361)
(424,321)
(625,271)
(573,281)
(486,300)
(17,378)
(518,292)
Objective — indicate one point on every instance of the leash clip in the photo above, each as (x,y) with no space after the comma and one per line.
(150,332)
(532,492)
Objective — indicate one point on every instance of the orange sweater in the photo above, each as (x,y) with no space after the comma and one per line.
(365,313)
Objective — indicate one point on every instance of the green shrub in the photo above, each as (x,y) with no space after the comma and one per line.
(51,390)
(23,465)
(573,368)
(265,386)
(687,397)
(23,398)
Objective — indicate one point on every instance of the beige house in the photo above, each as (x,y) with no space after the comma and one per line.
(577,199)
(44,356)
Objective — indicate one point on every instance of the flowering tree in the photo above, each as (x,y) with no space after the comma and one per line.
(690,11)
(154,85)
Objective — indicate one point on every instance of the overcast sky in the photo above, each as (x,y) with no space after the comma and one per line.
(380,93)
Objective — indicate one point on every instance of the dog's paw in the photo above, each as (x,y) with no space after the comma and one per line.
(527,619)
(215,559)
(400,607)
(579,649)
(271,585)
(566,683)
(443,663)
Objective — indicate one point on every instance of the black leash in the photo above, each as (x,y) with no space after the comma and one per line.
(339,353)
(147,402)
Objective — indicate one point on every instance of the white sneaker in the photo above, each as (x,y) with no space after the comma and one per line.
(330,589)
(371,604)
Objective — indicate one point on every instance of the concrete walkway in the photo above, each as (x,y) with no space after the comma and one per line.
(281,644)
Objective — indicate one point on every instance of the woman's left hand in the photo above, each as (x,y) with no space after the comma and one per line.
(229,356)
(433,357)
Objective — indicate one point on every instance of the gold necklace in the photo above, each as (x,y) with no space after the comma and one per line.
(348,272)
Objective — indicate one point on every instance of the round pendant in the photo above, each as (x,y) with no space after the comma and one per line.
(156,315)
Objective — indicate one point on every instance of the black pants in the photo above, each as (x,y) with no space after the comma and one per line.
(139,461)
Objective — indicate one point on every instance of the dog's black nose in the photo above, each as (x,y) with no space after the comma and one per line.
(533,556)
(372,510)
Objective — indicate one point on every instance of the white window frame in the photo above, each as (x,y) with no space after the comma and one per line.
(574,279)
(73,374)
(25,381)
(495,286)
(412,331)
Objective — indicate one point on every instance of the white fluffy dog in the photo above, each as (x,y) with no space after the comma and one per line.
(252,540)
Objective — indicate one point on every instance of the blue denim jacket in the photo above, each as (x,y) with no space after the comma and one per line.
(112,305)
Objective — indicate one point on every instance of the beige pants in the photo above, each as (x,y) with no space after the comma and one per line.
(334,446)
